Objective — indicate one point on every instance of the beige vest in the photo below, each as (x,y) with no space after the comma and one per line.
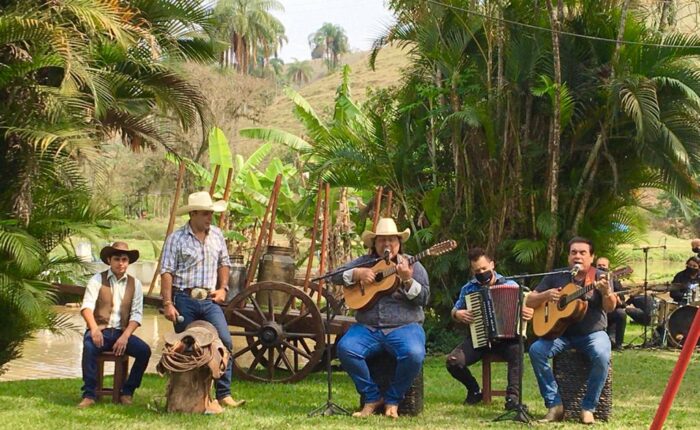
(103,306)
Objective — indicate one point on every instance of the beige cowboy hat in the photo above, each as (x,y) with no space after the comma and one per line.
(202,332)
(118,248)
(201,201)
(385,227)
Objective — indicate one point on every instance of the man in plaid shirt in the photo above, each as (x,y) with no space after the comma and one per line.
(194,277)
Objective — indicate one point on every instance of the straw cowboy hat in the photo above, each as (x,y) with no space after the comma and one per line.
(118,248)
(201,201)
(385,227)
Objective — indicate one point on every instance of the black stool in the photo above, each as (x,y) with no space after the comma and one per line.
(571,372)
(382,368)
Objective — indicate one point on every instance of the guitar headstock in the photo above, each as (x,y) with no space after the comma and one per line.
(621,272)
(442,247)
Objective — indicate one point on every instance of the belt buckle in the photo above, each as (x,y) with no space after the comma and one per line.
(199,293)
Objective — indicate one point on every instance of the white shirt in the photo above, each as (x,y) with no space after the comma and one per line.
(118,288)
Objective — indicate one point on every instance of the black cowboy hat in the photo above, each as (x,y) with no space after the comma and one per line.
(118,248)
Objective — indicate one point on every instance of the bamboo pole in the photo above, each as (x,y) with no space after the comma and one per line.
(263,229)
(171,222)
(377,207)
(227,193)
(212,188)
(324,244)
(389,199)
(312,246)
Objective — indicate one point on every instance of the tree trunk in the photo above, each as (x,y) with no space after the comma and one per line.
(554,142)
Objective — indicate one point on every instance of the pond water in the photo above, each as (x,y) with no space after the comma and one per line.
(51,356)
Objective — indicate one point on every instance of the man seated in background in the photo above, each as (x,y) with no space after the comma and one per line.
(617,319)
(112,309)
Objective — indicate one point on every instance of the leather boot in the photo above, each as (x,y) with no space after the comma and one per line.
(391,411)
(587,417)
(86,403)
(368,409)
(555,414)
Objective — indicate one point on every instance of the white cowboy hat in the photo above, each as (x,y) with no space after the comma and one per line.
(385,227)
(201,201)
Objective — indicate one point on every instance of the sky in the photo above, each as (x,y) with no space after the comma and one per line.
(363,21)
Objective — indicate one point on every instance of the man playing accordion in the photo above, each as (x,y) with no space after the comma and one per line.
(466,354)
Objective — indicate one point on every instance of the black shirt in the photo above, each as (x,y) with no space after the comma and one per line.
(684,278)
(595,318)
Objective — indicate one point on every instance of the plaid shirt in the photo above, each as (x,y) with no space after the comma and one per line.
(191,262)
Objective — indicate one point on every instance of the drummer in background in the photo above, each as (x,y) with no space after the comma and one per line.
(689,280)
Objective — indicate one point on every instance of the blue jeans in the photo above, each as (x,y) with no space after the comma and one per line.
(135,347)
(191,310)
(595,345)
(406,343)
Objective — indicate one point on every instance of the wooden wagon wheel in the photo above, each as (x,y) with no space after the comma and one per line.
(282,344)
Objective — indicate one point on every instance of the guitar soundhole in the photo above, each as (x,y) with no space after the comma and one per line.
(378,277)
(561,304)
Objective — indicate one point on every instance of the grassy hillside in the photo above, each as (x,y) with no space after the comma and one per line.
(320,93)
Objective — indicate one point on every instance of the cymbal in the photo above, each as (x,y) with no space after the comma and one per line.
(664,287)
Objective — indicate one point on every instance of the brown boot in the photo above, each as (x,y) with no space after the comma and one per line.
(391,411)
(368,409)
(213,408)
(228,402)
(126,400)
(86,403)
(587,417)
(555,414)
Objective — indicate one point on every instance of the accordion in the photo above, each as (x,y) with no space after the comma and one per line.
(496,314)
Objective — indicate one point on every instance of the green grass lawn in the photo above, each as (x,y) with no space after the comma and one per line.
(638,383)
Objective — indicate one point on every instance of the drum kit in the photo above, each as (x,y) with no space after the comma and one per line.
(672,320)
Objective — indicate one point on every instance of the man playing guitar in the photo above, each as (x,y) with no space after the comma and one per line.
(587,336)
(393,323)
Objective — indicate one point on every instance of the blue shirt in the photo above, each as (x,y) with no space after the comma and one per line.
(194,264)
(473,286)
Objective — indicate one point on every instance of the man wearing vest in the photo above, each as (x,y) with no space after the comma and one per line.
(112,309)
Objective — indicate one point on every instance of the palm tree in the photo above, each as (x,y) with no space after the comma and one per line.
(299,72)
(73,76)
(250,28)
(332,40)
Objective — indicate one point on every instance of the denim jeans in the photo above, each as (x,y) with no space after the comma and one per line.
(135,347)
(191,310)
(406,343)
(595,345)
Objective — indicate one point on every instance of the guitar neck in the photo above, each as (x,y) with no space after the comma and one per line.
(580,293)
(411,261)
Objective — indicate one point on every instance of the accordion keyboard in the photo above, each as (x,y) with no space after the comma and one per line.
(478,329)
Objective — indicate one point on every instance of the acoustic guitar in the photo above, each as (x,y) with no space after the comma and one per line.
(551,319)
(362,296)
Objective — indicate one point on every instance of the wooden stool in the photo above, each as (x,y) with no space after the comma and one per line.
(382,368)
(486,361)
(571,372)
(121,372)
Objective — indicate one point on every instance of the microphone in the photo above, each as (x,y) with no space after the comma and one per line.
(387,254)
(180,318)
(577,268)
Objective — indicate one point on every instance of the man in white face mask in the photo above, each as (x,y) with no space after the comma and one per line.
(465,354)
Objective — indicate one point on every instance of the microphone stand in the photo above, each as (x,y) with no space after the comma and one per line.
(329,408)
(520,413)
(645,249)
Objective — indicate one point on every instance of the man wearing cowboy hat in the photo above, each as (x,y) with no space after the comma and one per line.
(194,277)
(392,324)
(112,309)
